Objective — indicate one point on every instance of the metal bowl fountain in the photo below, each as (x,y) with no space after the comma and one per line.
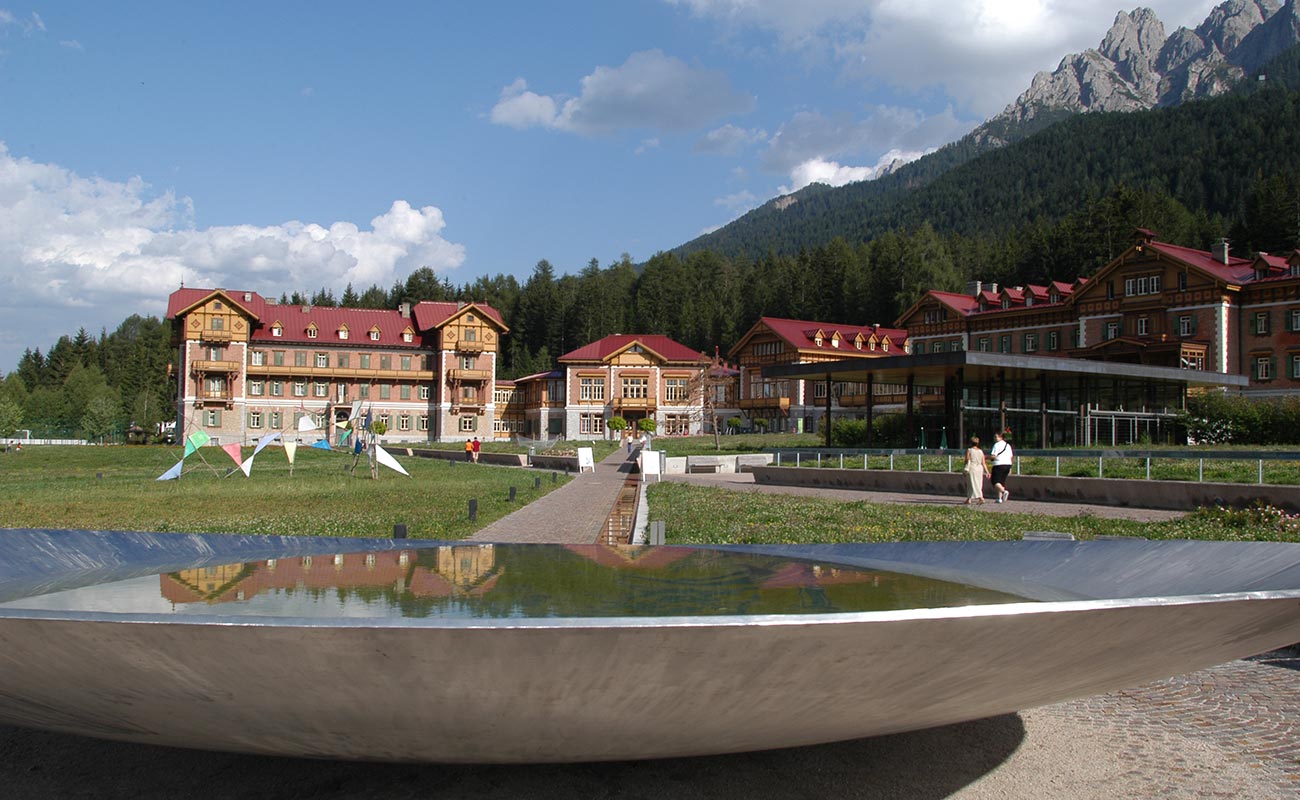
(454,652)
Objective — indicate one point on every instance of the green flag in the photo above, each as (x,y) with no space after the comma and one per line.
(196,440)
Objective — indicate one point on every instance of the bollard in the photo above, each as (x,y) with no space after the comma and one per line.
(512,495)
(537,482)
(555,476)
(473,509)
(99,476)
(399,530)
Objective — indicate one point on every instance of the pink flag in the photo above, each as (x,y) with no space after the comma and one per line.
(234,452)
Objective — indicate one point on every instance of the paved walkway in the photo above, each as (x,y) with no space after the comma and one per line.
(572,514)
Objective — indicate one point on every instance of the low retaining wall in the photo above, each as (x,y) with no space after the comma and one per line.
(1173,495)
(500,459)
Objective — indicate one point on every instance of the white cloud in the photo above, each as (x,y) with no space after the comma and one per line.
(647,145)
(649,90)
(729,140)
(742,200)
(982,53)
(71,44)
(89,251)
(817,170)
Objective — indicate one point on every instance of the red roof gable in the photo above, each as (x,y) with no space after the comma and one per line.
(602,349)
(429,314)
(182,300)
(1237,270)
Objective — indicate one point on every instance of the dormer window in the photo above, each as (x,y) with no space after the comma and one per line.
(857,341)
(311,331)
(1029,300)
(817,340)
(884,346)
(1006,302)
(277,329)
(408,335)
(835,340)
(374,334)
(343,331)
(1053,298)
(871,345)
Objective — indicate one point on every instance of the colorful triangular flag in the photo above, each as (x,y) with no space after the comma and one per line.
(323,444)
(234,451)
(289,449)
(306,423)
(264,441)
(247,466)
(195,441)
(173,473)
(382,456)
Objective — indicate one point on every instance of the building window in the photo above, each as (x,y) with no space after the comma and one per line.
(1192,361)
(277,358)
(1185,326)
(385,362)
(319,419)
(1293,320)
(1053,340)
(1263,368)
(215,387)
(255,419)
(1260,325)
(1004,344)
(385,391)
(984,344)
(677,425)
(299,388)
(591,424)
(363,391)
(277,388)
(343,333)
(467,362)
(638,388)
(255,388)
(1112,330)
(276,330)
(257,358)
(469,394)
(374,335)
(406,362)
(275,419)
(322,360)
(300,358)
(365,361)
(383,417)
(311,332)
(471,335)
(422,422)
(321,389)
(407,336)
(424,392)
(468,423)
(213,418)
(1142,326)
(405,392)
(1030,343)
(343,360)
(591,390)
(404,422)
(920,348)
(1182,281)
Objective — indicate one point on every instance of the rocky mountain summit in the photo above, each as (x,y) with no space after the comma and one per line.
(1137,66)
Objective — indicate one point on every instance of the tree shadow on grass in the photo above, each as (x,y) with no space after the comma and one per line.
(931,763)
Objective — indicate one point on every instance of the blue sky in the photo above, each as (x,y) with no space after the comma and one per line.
(294,146)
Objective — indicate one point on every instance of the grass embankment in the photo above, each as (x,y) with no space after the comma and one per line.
(706,515)
(599,448)
(62,487)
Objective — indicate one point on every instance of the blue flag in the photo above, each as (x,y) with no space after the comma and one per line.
(323,444)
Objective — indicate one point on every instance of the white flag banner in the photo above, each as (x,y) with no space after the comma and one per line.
(289,449)
(382,456)
(264,441)
(247,466)
(306,423)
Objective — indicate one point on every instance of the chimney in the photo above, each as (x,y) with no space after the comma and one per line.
(405,310)
(973,288)
(875,326)
(1220,250)
(306,309)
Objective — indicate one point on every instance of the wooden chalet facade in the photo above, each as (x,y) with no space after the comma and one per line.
(248,366)
(1157,304)
(796,405)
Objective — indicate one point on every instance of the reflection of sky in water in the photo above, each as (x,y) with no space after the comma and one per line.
(501,581)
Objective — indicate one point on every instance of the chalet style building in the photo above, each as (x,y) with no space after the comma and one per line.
(248,366)
(1157,304)
(791,405)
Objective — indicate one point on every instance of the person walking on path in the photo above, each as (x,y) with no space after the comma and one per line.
(469,450)
(976,470)
(1003,458)
(477,446)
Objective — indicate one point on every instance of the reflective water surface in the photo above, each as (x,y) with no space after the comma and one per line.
(514,581)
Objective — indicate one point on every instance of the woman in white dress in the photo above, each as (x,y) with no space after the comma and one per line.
(976,470)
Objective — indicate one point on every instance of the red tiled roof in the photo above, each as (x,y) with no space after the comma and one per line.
(183,299)
(1237,270)
(602,349)
(555,373)
(801,332)
(429,314)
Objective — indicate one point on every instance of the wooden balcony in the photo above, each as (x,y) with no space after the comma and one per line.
(216,336)
(309,373)
(781,404)
(224,398)
(214,366)
(463,346)
(635,403)
(469,375)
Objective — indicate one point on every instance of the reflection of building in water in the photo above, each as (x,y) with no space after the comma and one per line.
(630,556)
(462,569)
(804,576)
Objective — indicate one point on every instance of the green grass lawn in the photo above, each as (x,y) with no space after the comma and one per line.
(599,448)
(707,515)
(114,488)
